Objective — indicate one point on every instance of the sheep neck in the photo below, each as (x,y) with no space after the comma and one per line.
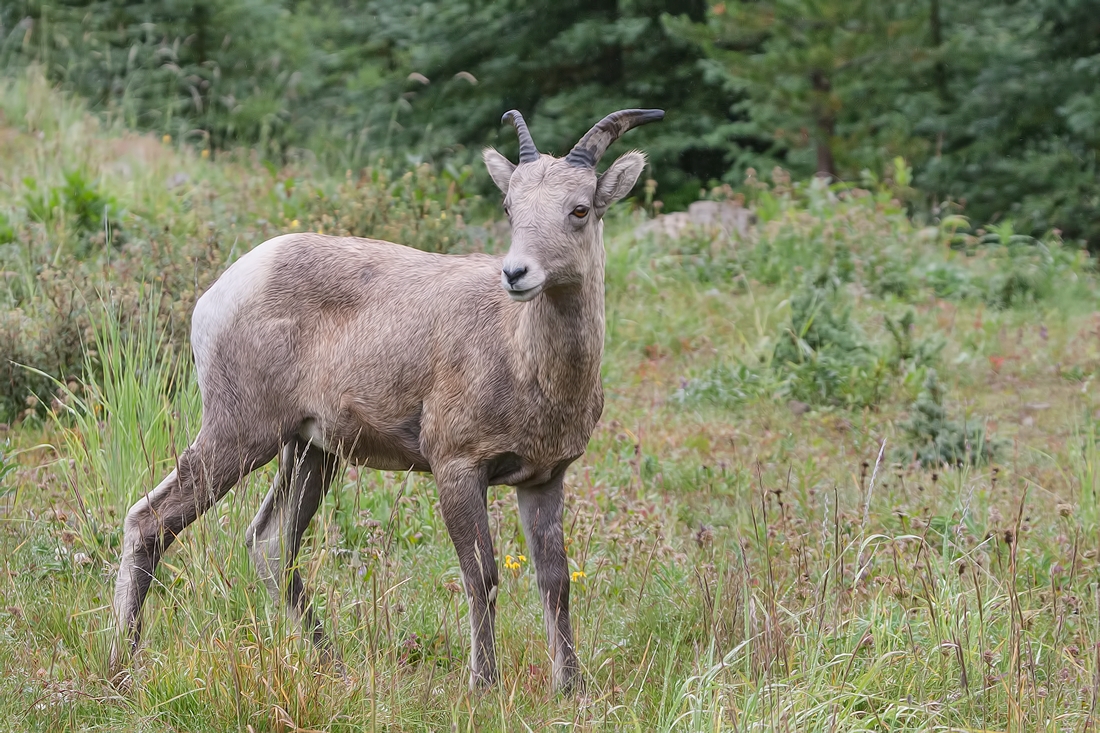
(562,331)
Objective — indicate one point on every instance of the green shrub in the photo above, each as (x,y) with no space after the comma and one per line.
(823,357)
(45,340)
(722,385)
(184,218)
(421,208)
(932,439)
(1027,270)
(706,260)
(948,280)
(890,275)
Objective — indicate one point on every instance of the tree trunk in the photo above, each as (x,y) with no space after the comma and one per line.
(825,121)
(200,29)
(939,71)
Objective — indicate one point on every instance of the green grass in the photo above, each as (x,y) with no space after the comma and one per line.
(749,563)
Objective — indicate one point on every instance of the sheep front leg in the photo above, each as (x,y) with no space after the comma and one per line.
(540,509)
(462,497)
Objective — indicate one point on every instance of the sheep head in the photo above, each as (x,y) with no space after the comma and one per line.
(556,205)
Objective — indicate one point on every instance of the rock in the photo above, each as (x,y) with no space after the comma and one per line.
(178,179)
(494,231)
(797,407)
(708,217)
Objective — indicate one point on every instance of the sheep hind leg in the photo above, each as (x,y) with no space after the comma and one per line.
(204,473)
(275,536)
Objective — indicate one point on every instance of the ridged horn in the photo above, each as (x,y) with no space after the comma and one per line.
(588,151)
(527,151)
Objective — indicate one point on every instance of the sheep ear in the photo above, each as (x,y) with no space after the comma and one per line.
(500,168)
(618,180)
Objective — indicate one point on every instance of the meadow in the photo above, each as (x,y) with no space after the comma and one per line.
(845,480)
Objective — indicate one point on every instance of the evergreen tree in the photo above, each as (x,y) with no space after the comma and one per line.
(207,69)
(1021,137)
(564,64)
(995,104)
(816,74)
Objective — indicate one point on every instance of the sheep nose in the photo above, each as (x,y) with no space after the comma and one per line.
(514,275)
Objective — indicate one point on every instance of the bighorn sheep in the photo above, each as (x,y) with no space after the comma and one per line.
(480,370)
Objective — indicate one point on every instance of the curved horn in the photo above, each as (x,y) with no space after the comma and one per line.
(588,151)
(527,150)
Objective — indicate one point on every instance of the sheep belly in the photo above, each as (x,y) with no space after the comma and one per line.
(395,448)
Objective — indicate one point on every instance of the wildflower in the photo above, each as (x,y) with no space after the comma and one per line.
(294,224)
(205,153)
(166,139)
(578,574)
(522,558)
(511,563)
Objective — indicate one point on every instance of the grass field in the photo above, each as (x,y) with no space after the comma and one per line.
(846,477)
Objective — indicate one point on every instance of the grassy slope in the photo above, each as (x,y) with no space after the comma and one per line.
(742,569)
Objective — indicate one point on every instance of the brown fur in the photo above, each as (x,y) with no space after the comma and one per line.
(326,348)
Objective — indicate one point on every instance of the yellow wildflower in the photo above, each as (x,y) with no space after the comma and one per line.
(166,139)
(205,153)
(294,224)
(578,574)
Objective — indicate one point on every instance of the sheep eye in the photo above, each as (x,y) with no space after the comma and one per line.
(580,212)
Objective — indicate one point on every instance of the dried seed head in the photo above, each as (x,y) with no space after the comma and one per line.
(705,536)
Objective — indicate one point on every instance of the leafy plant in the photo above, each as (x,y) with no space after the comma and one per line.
(7,465)
(92,212)
(908,353)
(7,231)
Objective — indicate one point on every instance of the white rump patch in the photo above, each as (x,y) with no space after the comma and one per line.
(239,284)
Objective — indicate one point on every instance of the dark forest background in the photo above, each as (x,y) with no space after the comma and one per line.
(994,103)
